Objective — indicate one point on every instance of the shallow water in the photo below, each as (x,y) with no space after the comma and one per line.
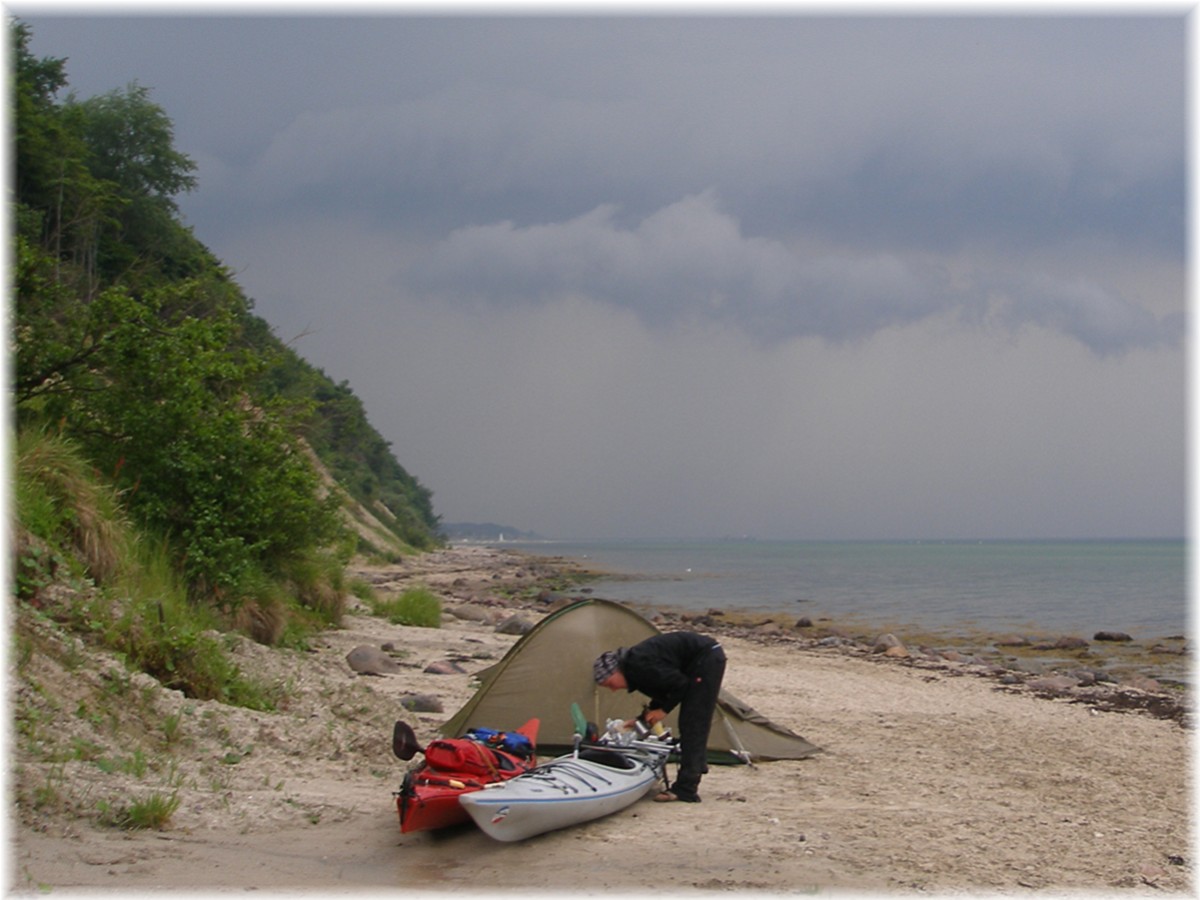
(1075,587)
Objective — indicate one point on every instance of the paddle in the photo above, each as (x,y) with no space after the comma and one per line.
(404,741)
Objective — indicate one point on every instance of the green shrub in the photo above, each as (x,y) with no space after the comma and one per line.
(416,606)
(152,811)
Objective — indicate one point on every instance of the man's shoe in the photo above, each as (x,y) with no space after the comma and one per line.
(672,797)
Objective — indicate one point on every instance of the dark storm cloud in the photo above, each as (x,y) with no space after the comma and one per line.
(906,133)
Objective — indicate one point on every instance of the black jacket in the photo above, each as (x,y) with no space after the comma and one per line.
(662,667)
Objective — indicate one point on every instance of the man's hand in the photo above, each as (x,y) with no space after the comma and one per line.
(653,716)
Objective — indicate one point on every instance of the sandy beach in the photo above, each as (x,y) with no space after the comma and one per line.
(935,777)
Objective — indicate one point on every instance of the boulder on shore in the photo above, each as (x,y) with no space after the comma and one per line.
(367,660)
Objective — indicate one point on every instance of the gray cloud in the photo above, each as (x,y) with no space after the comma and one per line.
(795,275)
(690,262)
(998,130)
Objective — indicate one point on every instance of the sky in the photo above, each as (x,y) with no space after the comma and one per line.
(794,275)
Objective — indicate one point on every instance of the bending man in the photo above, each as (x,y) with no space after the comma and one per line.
(681,669)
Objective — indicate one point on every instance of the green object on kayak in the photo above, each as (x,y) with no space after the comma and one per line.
(581,722)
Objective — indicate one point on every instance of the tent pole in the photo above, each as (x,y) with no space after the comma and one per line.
(740,752)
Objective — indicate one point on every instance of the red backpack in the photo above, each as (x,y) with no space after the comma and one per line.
(463,756)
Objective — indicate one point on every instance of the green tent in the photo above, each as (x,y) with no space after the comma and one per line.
(550,668)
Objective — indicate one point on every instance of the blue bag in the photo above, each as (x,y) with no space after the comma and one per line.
(508,741)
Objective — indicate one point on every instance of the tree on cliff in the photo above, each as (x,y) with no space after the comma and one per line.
(134,342)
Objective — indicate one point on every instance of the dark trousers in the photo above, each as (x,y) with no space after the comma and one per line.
(695,720)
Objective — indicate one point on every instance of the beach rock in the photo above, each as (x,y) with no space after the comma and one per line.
(422,703)
(1054,684)
(899,652)
(804,622)
(517,624)
(1011,640)
(886,642)
(444,667)
(1142,683)
(367,660)
(1163,648)
(1111,636)
(471,613)
(559,602)
(1085,677)
(1029,666)
(1070,643)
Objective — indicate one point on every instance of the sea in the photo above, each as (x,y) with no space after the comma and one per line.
(1063,587)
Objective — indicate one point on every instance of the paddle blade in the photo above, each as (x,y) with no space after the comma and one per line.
(404,741)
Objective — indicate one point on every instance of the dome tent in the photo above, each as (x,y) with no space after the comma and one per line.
(550,668)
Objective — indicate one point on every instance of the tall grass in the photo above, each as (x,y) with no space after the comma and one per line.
(416,606)
(62,504)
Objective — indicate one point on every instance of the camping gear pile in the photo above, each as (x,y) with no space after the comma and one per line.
(546,671)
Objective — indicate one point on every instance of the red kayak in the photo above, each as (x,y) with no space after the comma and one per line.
(428,797)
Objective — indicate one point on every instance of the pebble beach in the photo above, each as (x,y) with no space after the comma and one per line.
(937,774)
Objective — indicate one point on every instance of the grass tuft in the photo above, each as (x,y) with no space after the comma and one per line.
(152,811)
(417,606)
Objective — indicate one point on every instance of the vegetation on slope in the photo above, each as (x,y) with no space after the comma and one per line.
(154,408)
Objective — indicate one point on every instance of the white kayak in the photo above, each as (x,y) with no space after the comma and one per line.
(592,782)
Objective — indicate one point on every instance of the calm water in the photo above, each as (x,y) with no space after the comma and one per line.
(1076,587)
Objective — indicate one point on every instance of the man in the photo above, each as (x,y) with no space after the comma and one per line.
(681,669)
